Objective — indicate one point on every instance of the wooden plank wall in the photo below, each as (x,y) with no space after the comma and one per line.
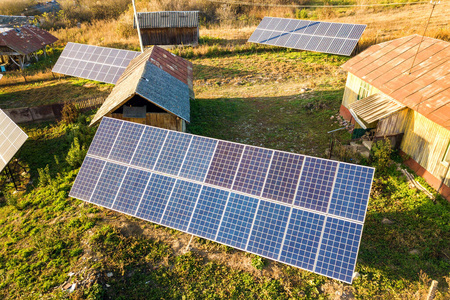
(426,143)
(352,88)
(394,124)
(162,120)
(169,36)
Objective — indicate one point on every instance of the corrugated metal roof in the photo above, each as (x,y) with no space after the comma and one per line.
(375,107)
(27,39)
(152,82)
(426,90)
(167,19)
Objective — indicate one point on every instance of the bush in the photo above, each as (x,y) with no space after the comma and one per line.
(381,156)
(69,113)
(301,14)
(76,154)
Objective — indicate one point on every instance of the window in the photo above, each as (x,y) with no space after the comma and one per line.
(363,90)
(446,158)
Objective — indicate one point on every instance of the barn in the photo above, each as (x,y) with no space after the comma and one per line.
(19,44)
(155,90)
(386,91)
(169,28)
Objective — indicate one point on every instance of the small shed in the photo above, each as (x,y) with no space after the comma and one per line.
(155,89)
(169,28)
(19,44)
(386,92)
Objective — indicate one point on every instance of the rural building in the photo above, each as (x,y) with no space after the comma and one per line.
(9,22)
(19,44)
(169,28)
(155,89)
(384,93)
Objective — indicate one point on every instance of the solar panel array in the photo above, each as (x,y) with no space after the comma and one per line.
(303,211)
(11,139)
(326,37)
(93,62)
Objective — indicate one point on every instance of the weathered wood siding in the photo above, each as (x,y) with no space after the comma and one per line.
(394,124)
(352,88)
(426,143)
(162,120)
(169,36)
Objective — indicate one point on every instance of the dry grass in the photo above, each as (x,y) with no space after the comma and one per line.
(13,7)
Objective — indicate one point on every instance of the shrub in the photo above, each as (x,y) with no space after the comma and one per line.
(381,156)
(258,262)
(69,113)
(301,14)
(76,154)
(44,176)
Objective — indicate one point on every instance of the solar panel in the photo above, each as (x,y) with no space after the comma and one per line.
(93,62)
(11,139)
(303,211)
(326,37)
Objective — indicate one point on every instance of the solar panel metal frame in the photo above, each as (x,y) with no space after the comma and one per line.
(12,137)
(93,62)
(322,256)
(308,35)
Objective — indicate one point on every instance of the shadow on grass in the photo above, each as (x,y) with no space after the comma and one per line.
(206,72)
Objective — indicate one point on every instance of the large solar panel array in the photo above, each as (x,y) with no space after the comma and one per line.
(326,37)
(11,139)
(303,211)
(93,62)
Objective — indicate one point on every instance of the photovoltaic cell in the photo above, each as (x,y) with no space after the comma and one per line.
(339,249)
(173,153)
(155,198)
(295,209)
(181,205)
(302,239)
(208,212)
(352,186)
(198,158)
(283,177)
(237,221)
(252,170)
(11,139)
(224,165)
(93,62)
(316,182)
(268,229)
(108,184)
(308,35)
(131,191)
(87,178)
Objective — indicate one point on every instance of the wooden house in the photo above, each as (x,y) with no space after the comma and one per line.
(169,28)
(386,91)
(155,89)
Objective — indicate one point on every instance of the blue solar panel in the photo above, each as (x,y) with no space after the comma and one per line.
(237,221)
(87,178)
(149,147)
(308,35)
(126,142)
(155,198)
(208,212)
(282,179)
(131,191)
(198,158)
(316,183)
(181,205)
(173,153)
(268,229)
(108,184)
(285,228)
(104,138)
(339,249)
(252,170)
(351,192)
(225,163)
(302,239)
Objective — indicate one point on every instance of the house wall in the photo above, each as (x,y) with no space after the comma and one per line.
(169,36)
(394,124)
(162,120)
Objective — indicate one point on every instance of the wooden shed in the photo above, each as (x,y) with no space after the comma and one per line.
(155,89)
(169,28)
(383,92)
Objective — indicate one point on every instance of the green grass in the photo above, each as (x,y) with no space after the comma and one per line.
(45,235)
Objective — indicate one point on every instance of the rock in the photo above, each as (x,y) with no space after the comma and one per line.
(71,274)
(414,252)
(107,285)
(109,274)
(356,275)
(72,288)
(387,221)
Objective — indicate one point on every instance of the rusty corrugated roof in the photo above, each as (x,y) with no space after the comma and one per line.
(426,90)
(375,107)
(27,39)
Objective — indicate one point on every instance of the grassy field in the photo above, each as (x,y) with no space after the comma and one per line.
(257,95)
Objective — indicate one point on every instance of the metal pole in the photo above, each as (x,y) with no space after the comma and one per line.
(137,26)
(11,176)
(434,4)
(189,244)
